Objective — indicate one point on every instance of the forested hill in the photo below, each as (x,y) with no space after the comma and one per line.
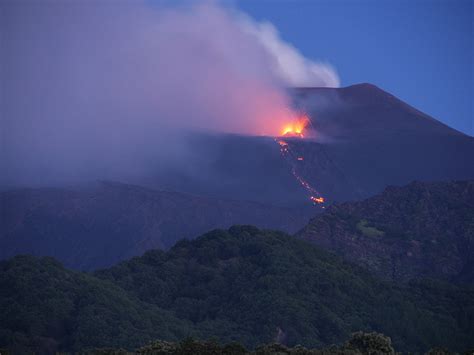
(418,230)
(240,284)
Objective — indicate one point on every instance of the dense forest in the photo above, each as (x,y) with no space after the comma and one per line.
(243,284)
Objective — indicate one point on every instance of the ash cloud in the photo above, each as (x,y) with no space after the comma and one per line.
(103,90)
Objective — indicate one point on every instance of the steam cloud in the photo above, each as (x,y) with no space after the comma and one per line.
(101,89)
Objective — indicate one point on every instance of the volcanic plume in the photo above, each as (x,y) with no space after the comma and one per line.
(103,90)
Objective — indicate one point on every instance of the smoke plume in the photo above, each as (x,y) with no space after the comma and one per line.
(101,89)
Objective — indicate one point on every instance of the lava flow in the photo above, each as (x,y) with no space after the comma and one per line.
(296,130)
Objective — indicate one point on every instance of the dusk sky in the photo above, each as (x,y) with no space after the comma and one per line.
(421,51)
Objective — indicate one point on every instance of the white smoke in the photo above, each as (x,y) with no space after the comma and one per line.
(101,89)
(289,64)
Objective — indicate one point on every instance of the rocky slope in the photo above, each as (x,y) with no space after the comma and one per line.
(419,230)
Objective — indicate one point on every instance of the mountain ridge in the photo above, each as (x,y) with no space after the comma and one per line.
(418,230)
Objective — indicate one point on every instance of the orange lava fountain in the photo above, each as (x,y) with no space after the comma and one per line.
(296,128)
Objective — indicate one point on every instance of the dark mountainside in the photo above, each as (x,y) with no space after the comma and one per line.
(242,284)
(91,227)
(366,139)
(364,111)
(416,231)
(375,140)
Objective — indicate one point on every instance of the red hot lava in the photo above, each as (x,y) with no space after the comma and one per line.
(296,128)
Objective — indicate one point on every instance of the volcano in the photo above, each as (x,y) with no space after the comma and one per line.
(361,140)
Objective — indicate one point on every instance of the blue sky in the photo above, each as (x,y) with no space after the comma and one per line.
(419,50)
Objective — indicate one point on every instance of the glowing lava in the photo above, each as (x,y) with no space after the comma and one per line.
(283,146)
(317,199)
(296,128)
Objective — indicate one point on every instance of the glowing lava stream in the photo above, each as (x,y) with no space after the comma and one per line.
(296,130)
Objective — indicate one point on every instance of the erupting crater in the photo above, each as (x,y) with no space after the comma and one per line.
(296,128)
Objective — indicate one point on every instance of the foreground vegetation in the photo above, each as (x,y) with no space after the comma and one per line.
(241,284)
(359,343)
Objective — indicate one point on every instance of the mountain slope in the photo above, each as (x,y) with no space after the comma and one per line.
(97,226)
(419,230)
(364,111)
(243,284)
(366,139)
(376,140)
